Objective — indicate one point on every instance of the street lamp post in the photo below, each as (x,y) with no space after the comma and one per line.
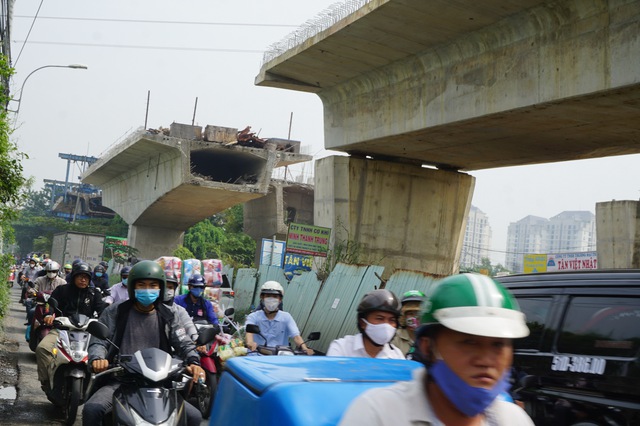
(73,66)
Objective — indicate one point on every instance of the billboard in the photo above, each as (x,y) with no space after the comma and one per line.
(272,252)
(572,261)
(308,239)
(534,263)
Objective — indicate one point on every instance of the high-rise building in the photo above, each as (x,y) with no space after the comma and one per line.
(477,239)
(567,232)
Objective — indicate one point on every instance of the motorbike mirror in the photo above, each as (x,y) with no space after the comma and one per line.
(53,303)
(98,329)
(313,336)
(252,328)
(207,335)
(229,311)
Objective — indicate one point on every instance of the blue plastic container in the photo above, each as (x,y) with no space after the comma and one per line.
(298,390)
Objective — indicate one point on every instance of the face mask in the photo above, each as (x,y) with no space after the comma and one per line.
(124,282)
(98,274)
(147,296)
(379,333)
(271,303)
(468,399)
(412,323)
(168,295)
(197,292)
(32,265)
(52,274)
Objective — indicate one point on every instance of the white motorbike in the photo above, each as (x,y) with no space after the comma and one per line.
(68,373)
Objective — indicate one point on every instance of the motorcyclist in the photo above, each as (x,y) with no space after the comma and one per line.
(276,325)
(74,298)
(118,291)
(43,266)
(194,302)
(98,279)
(409,320)
(45,284)
(28,275)
(141,322)
(67,269)
(74,263)
(169,296)
(378,314)
(465,342)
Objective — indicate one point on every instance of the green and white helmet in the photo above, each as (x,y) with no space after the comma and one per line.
(474,304)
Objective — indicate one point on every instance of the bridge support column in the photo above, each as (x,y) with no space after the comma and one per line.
(400,216)
(154,242)
(618,234)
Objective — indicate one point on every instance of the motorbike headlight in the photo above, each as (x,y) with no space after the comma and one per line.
(75,346)
(77,356)
(140,421)
(285,353)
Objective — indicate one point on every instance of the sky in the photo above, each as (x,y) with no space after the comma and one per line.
(212,51)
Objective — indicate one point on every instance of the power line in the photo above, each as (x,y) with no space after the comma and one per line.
(131,46)
(149,21)
(28,34)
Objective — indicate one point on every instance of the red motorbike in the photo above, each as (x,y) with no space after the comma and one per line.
(38,328)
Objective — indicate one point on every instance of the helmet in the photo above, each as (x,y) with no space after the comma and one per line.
(412,296)
(379,300)
(125,271)
(75,262)
(474,304)
(80,268)
(52,266)
(104,264)
(170,277)
(272,287)
(196,280)
(67,266)
(99,268)
(146,269)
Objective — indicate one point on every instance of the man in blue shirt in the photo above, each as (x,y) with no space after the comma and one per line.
(275,325)
(196,305)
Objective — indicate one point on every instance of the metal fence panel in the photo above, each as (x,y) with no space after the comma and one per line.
(244,287)
(301,295)
(402,281)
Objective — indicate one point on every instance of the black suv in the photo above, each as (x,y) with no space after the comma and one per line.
(580,365)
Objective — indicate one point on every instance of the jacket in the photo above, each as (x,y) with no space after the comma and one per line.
(173,338)
(73,300)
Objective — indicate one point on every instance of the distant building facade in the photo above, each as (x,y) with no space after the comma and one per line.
(567,232)
(477,239)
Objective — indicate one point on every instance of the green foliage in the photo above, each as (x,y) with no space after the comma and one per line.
(6,261)
(11,168)
(183,253)
(486,268)
(344,251)
(221,237)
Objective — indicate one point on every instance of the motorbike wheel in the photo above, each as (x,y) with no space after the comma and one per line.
(206,394)
(75,389)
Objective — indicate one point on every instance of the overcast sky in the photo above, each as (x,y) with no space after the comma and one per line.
(212,50)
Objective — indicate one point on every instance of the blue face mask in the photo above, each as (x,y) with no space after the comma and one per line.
(197,292)
(147,296)
(468,399)
(124,281)
(98,274)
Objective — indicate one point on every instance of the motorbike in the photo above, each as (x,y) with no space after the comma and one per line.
(279,350)
(152,383)
(38,329)
(211,362)
(69,374)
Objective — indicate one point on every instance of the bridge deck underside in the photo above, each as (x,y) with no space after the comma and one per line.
(600,125)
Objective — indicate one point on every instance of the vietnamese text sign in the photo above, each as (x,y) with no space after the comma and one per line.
(296,264)
(271,252)
(535,263)
(572,261)
(308,239)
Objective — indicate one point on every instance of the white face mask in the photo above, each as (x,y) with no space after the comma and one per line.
(379,333)
(52,274)
(168,294)
(271,303)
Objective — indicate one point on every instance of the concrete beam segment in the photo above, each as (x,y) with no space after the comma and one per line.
(618,234)
(473,85)
(161,182)
(402,216)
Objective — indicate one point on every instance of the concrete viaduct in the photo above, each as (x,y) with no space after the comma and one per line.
(420,92)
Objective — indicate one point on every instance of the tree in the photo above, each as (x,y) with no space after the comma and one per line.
(183,253)
(485,267)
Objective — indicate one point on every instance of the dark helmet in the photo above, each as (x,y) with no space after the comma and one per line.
(104,264)
(170,277)
(80,268)
(196,280)
(146,269)
(99,268)
(378,300)
(125,271)
(75,262)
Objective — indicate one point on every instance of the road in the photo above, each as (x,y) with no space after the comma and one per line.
(18,369)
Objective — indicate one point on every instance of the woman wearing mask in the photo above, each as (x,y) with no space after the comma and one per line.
(378,314)
(409,320)
(275,325)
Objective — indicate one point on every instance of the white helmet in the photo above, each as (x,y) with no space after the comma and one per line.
(272,287)
(52,266)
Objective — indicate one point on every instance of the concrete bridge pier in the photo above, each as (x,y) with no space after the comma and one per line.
(402,216)
(154,242)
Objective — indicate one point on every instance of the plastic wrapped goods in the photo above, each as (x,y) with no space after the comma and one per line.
(170,263)
(212,271)
(190,267)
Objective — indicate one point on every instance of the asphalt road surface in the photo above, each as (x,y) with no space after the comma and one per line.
(18,370)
